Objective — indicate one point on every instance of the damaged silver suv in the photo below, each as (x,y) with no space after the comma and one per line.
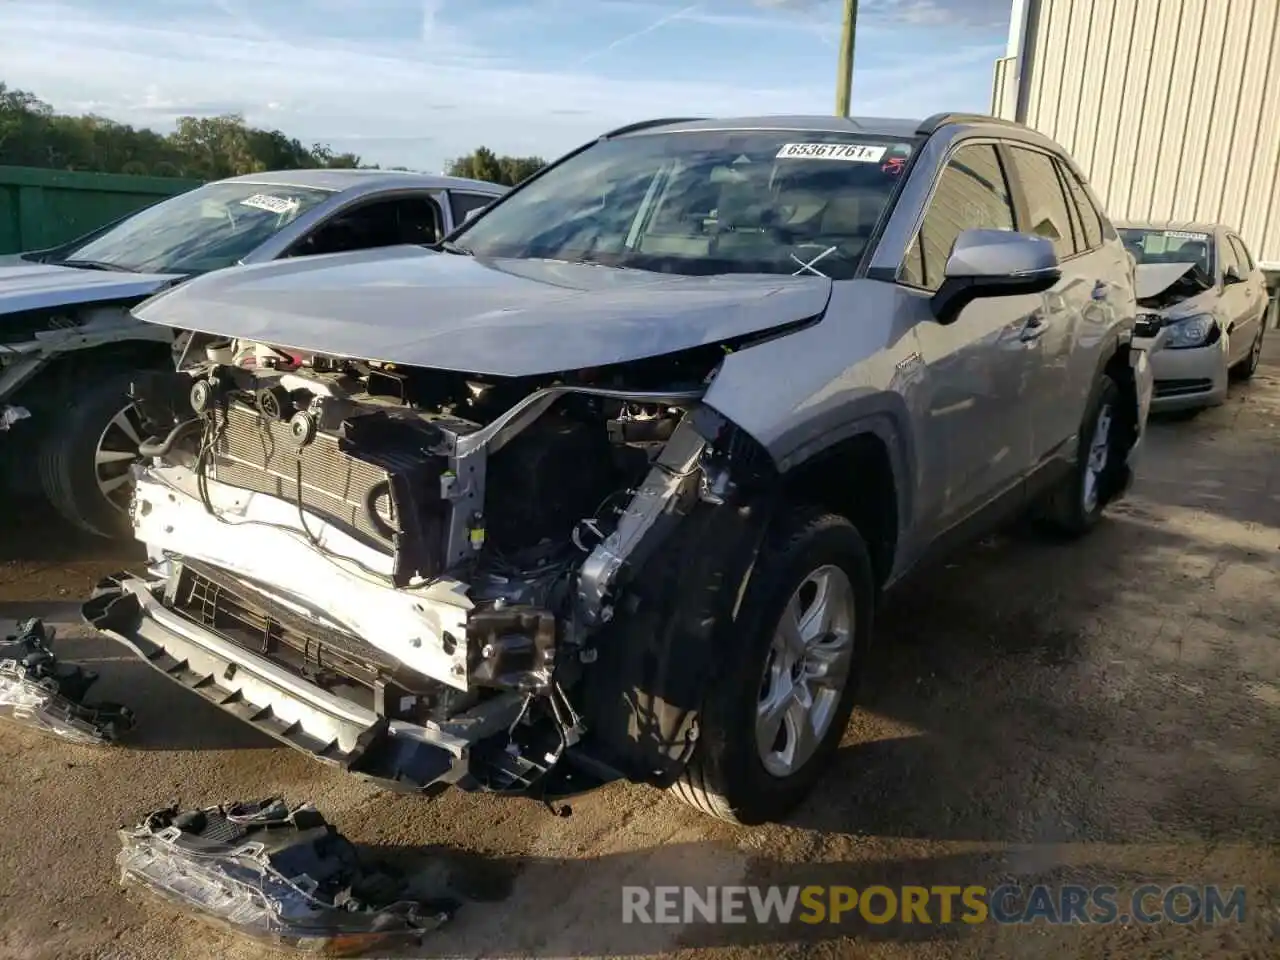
(610,483)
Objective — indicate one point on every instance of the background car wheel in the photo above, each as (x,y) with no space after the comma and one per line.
(1074,507)
(772,720)
(85,459)
(1246,368)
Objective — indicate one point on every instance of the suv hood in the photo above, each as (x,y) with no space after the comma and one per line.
(41,286)
(420,307)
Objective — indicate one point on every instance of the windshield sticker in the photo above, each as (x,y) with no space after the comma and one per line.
(849,152)
(1180,235)
(265,201)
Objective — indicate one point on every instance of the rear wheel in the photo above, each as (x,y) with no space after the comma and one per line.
(1246,368)
(771,722)
(86,458)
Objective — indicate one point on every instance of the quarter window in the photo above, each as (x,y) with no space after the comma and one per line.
(1046,203)
(972,194)
(462,204)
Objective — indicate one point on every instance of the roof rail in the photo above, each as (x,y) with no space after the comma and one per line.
(646,124)
(930,125)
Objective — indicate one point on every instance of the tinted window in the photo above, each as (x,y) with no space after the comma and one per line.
(971,194)
(381,224)
(703,203)
(1089,216)
(462,204)
(1046,204)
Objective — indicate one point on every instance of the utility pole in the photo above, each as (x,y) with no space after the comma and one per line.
(844,76)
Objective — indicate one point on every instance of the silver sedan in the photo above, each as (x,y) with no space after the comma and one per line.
(1202,305)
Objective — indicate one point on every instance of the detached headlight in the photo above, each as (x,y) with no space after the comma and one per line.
(1194,331)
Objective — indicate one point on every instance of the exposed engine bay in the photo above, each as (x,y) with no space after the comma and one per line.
(1166,285)
(401,570)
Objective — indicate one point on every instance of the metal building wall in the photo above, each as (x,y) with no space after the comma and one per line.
(1172,107)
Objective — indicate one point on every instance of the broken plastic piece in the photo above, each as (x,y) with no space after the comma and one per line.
(277,874)
(38,692)
(11,415)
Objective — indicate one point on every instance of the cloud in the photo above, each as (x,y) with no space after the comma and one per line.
(430,85)
(637,34)
(980,13)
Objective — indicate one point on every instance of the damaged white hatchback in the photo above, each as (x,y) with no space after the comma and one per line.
(610,483)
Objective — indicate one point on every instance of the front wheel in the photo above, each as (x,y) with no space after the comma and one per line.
(1075,505)
(86,458)
(1246,368)
(772,720)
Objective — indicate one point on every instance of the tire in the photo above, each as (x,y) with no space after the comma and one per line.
(727,776)
(1246,368)
(68,455)
(1069,510)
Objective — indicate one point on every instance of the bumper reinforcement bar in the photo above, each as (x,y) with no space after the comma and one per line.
(285,706)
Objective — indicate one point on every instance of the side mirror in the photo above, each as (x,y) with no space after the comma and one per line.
(994,263)
(1233,275)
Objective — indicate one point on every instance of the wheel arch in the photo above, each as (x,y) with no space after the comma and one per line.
(861,476)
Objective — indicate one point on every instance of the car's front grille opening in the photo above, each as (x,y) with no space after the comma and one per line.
(325,657)
(1182,388)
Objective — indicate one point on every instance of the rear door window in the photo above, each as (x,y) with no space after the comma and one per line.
(1049,216)
(1090,219)
(972,194)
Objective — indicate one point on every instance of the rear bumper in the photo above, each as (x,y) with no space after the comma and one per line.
(287,707)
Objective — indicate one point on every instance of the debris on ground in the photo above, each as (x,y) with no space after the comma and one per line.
(39,692)
(277,874)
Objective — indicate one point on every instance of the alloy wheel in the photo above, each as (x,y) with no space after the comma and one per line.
(806,671)
(1099,452)
(115,454)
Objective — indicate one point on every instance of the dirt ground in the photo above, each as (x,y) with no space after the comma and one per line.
(1104,712)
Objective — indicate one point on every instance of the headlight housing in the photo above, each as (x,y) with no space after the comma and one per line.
(1195,331)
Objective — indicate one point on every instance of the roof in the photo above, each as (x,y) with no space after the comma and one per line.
(339,179)
(1180,225)
(876,126)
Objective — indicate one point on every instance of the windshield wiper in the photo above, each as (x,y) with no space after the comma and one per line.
(448,246)
(94,265)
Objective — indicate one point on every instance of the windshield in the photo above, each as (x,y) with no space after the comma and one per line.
(1170,246)
(699,203)
(208,228)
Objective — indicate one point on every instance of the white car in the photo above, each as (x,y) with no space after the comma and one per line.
(1203,307)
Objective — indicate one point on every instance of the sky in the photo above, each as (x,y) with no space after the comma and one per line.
(417,82)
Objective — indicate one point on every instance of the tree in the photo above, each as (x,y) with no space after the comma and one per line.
(202,148)
(484,164)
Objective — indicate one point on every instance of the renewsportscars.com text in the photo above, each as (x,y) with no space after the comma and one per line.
(1007,904)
